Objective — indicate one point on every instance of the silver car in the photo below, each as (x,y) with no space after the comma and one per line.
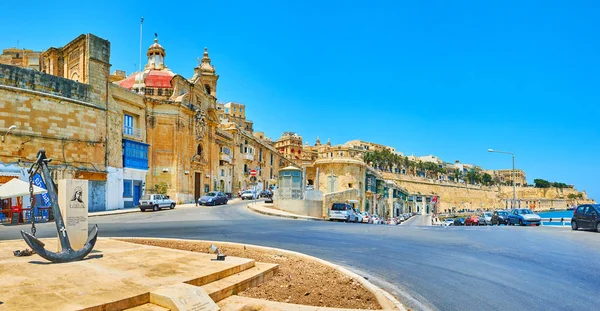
(485,219)
(342,212)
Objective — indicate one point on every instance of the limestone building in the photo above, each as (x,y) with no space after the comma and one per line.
(505,176)
(370,147)
(289,145)
(21,58)
(68,118)
(235,113)
(127,135)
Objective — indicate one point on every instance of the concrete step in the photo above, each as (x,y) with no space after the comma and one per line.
(227,286)
(234,284)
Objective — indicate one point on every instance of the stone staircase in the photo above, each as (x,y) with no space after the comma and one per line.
(221,285)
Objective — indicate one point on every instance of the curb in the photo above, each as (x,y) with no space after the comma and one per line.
(126,211)
(385,299)
(283,216)
(116,212)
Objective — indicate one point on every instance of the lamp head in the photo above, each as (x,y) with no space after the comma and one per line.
(12,127)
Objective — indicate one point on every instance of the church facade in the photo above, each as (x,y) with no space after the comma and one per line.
(151,131)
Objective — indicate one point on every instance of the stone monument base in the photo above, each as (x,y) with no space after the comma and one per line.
(119,275)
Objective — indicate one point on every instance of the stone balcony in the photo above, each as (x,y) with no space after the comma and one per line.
(225,157)
(248,156)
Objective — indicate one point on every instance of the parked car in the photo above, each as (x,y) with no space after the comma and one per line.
(155,202)
(359,215)
(343,212)
(586,217)
(374,219)
(366,217)
(213,198)
(485,219)
(523,217)
(265,193)
(249,195)
(500,217)
(459,222)
(269,199)
(448,222)
(472,220)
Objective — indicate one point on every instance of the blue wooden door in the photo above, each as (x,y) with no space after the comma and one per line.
(136,195)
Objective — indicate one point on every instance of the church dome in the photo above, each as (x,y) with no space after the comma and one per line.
(156,49)
(205,66)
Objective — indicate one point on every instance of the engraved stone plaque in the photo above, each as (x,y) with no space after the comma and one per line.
(73,202)
(183,297)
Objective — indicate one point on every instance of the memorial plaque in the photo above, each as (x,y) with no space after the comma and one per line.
(73,202)
(183,297)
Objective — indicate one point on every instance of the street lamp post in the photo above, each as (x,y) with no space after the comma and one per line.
(513,174)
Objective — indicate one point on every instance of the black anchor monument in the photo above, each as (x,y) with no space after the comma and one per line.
(67,254)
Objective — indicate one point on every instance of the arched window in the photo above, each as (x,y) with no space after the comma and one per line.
(207,87)
(199,151)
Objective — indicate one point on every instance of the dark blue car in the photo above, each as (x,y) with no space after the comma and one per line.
(213,198)
(459,222)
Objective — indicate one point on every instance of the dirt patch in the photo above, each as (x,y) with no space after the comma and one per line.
(298,280)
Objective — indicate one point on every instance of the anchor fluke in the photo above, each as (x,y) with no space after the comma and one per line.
(67,254)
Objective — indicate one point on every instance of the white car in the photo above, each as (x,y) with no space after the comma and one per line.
(366,217)
(342,212)
(374,219)
(448,222)
(359,215)
(155,202)
(249,195)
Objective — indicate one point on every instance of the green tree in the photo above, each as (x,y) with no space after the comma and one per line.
(457,175)
(161,188)
(541,183)
(486,179)
(473,176)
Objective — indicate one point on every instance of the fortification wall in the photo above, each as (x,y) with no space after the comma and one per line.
(464,196)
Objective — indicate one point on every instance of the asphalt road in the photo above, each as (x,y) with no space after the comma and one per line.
(439,268)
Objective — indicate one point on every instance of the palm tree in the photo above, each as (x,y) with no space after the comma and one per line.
(457,175)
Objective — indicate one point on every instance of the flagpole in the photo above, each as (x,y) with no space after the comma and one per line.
(140,63)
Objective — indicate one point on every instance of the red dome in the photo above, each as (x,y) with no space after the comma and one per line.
(153,78)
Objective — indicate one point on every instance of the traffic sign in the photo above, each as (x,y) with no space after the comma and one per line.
(252,172)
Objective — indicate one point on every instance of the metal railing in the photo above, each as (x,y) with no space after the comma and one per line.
(132,132)
(561,220)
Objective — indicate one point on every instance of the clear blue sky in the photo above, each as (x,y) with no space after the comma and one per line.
(449,78)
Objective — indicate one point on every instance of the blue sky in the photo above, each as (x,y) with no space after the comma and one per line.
(449,78)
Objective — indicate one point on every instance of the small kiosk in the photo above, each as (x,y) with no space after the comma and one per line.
(290,183)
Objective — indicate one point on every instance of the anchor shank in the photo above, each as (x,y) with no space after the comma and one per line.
(60,224)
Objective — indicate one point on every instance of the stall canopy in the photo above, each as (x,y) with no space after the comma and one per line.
(18,188)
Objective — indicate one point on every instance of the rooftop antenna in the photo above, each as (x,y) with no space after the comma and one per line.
(140,63)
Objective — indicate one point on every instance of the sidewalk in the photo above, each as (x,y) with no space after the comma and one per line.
(267,209)
(137,210)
